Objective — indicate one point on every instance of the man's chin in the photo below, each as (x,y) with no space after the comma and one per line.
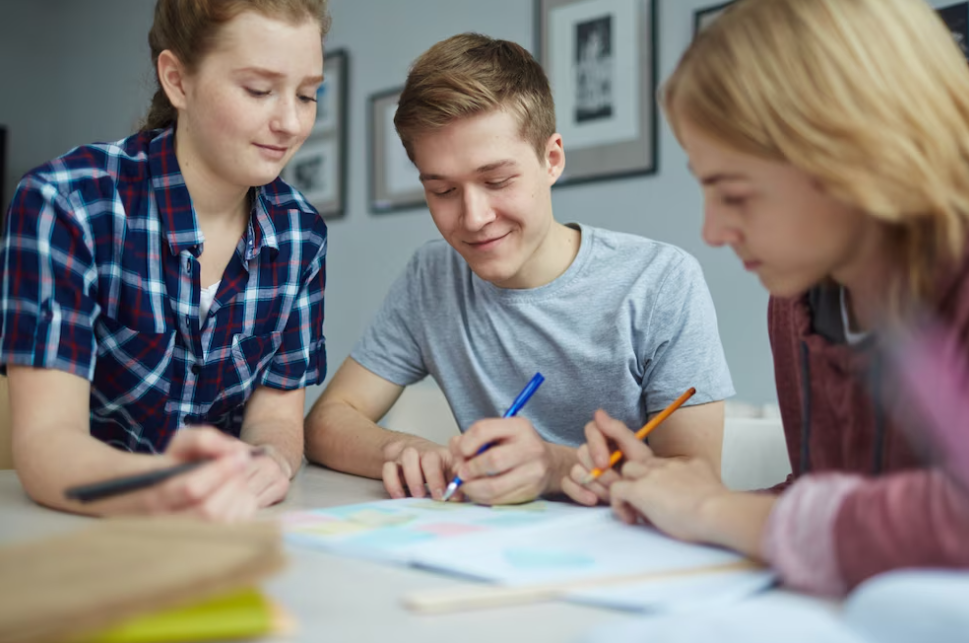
(492,273)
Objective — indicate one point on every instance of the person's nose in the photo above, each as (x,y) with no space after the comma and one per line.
(718,229)
(286,116)
(477,209)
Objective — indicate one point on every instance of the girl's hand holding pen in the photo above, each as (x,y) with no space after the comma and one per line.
(675,495)
(603,435)
(218,490)
(213,484)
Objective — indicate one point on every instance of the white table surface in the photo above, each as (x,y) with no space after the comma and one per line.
(339,599)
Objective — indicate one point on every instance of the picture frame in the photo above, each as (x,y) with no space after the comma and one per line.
(956,18)
(703,18)
(394,180)
(600,58)
(319,168)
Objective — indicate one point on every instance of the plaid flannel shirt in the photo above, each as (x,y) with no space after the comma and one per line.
(100,278)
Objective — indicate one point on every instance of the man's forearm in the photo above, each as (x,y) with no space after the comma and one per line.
(339,437)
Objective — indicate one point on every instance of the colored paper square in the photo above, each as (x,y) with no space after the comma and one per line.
(332,528)
(447,529)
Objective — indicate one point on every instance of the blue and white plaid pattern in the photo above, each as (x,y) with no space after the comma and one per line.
(100,278)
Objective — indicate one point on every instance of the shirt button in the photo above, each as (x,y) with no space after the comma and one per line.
(188,322)
(195,369)
(188,268)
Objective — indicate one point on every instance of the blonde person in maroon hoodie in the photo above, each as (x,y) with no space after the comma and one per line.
(831,141)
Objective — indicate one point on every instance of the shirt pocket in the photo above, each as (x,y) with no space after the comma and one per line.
(132,380)
(250,358)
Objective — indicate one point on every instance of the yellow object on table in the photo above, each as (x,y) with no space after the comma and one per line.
(123,570)
(244,614)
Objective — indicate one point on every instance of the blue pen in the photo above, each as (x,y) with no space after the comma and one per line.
(515,407)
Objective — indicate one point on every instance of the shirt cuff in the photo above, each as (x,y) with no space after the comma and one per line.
(799,539)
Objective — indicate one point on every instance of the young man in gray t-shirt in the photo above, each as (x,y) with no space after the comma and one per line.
(613,321)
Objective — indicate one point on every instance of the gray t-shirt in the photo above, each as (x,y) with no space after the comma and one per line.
(628,327)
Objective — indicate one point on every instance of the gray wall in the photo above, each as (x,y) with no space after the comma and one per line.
(75,71)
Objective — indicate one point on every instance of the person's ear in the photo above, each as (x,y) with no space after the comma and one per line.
(172,78)
(554,157)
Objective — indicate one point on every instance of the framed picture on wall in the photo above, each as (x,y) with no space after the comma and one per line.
(319,168)
(600,57)
(703,18)
(394,181)
(315,171)
(956,17)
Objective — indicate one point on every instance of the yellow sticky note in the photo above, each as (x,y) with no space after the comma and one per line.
(333,528)
(244,614)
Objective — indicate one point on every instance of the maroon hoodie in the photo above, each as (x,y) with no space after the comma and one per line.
(896,509)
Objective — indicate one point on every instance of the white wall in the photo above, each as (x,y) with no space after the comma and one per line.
(75,71)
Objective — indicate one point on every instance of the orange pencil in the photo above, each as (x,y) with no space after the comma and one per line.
(642,433)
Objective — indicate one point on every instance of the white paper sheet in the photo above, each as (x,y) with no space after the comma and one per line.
(538,542)
(593,546)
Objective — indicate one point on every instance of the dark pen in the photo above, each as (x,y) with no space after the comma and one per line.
(126,484)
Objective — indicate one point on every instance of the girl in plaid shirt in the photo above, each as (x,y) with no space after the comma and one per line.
(171,279)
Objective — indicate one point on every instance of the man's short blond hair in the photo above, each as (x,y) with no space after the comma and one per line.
(471,74)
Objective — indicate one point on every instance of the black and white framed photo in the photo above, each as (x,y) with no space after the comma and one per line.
(956,17)
(315,170)
(394,180)
(319,167)
(600,58)
(703,18)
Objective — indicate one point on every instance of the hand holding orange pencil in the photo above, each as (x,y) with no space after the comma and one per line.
(642,433)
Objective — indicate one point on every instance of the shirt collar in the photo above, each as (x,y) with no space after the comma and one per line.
(171,195)
(262,231)
(178,216)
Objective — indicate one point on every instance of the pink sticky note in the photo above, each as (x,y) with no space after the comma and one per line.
(449,528)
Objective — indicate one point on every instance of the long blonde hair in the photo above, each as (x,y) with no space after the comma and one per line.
(870,97)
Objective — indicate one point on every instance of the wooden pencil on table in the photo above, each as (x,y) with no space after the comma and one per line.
(487,596)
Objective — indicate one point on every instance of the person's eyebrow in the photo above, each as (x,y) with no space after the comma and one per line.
(718,177)
(269,73)
(499,165)
(484,169)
